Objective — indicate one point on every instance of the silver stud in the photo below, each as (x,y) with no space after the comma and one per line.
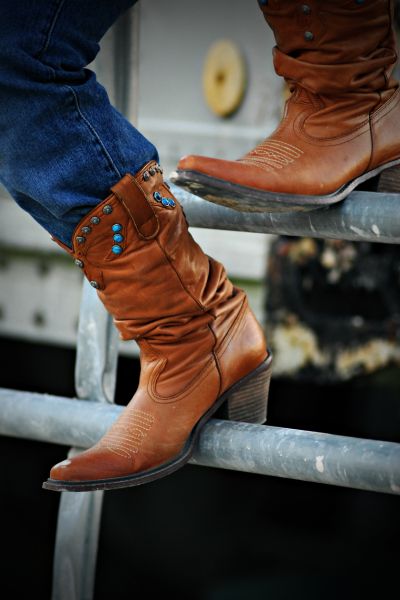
(95,220)
(86,229)
(80,239)
(94,285)
(146,175)
(152,171)
(308,36)
(306,10)
(107,209)
(79,263)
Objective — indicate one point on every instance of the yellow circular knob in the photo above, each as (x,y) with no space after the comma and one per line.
(224,78)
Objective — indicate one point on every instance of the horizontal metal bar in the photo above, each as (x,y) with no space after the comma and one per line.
(308,456)
(362,217)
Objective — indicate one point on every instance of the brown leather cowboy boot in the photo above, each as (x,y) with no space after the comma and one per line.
(200,344)
(341,124)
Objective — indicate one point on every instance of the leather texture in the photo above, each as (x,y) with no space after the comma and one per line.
(196,332)
(343,115)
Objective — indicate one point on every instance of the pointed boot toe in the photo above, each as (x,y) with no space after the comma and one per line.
(85,470)
(73,469)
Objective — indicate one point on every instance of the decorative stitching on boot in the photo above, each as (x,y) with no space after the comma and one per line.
(126,438)
(272,154)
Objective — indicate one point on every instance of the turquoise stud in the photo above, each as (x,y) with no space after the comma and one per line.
(157,196)
(116,227)
(171,202)
(165,202)
(116,249)
(118,238)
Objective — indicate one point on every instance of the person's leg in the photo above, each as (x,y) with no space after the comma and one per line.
(62,150)
(200,344)
(341,124)
(62,144)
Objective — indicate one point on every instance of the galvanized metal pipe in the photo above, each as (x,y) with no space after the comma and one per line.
(304,455)
(97,350)
(362,217)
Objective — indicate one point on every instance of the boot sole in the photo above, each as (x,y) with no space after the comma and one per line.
(247,199)
(245,401)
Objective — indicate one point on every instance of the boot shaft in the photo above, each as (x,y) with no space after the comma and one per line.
(333,47)
(163,290)
(153,278)
(137,252)
(337,58)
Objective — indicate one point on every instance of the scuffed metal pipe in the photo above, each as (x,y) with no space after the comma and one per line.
(362,217)
(265,450)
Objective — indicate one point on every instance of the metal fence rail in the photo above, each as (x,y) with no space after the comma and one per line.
(305,455)
(362,217)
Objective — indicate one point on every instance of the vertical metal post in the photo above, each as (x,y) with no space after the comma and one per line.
(97,350)
(79,514)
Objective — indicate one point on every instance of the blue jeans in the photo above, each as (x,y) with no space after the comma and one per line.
(62,145)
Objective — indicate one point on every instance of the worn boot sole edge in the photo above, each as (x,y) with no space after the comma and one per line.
(164,469)
(248,199)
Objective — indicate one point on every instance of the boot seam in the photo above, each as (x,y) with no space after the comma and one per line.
(216,359)
(375,117)
(159,367)
(201,306)
(299,127)
(159,398)
(371,135)
(234,330)
(386,108)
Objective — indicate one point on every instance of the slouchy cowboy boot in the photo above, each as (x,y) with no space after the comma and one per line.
(200,344)
(341,124)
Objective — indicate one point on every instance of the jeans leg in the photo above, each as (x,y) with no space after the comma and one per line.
(62,144)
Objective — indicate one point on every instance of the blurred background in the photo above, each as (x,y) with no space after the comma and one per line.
(331,310)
